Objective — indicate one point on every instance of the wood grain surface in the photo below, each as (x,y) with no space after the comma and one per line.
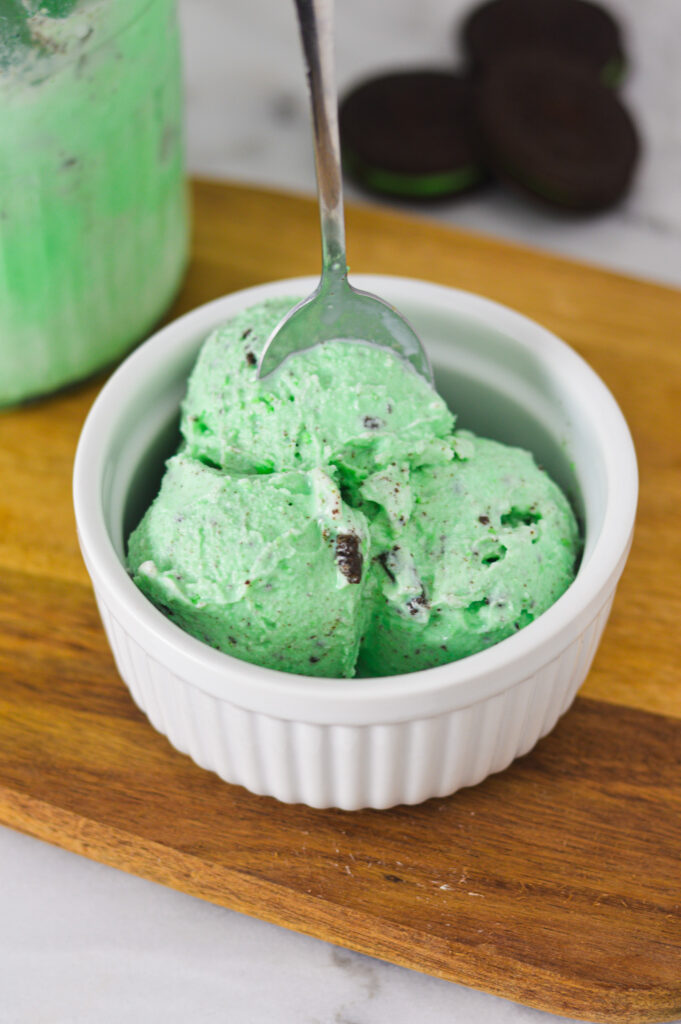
(556,883)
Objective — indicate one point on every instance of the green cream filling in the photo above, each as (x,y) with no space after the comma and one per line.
(613,72)
(415,185)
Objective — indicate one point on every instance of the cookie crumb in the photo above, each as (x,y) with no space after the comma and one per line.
(349,557)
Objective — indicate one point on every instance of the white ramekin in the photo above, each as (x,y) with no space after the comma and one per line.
(367,742)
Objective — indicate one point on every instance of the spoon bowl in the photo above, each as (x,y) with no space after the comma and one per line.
(335,309)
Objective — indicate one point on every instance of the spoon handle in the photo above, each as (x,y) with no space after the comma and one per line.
(315,18)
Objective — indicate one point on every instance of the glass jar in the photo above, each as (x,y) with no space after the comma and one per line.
(93,206)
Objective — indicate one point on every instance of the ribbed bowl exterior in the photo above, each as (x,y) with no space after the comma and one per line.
(390,740)
(350,767)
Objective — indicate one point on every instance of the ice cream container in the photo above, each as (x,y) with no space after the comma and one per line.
(93,206)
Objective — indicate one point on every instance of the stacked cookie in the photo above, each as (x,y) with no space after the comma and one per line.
(536,106)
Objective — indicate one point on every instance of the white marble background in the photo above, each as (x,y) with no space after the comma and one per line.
(84,944)
(248,116)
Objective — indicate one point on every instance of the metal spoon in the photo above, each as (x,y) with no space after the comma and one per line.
(335,309)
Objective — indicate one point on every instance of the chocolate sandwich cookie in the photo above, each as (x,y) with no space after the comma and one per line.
(412,134)
(574,29)
(556,131)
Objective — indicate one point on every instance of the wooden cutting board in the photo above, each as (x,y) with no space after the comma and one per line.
(556,883)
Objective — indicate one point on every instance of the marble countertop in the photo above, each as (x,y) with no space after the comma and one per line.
(248,117)
(80,942)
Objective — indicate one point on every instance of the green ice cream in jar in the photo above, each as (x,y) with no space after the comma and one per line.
(93,209)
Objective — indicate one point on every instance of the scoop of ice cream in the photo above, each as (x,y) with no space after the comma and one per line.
(327,518)
(349,404)
(490,543)
(271,569)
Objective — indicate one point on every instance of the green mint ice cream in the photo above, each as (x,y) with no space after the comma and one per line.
(269,568)
(490,544)
(93,213)
(330,521)
(353,406)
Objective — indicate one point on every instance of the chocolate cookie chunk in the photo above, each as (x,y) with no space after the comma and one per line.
(556,131)
(412,134)
(575,30)
(349,557)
